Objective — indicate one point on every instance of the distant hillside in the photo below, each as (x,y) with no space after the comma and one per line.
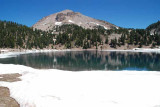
(154,28)
(71,17)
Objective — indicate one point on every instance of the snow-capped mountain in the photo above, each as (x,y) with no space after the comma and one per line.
(70,17)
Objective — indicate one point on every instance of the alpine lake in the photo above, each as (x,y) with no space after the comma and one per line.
(88,60)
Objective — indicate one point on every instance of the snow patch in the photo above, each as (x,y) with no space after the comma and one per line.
(70,21)
(105,27)
(99,25)
(58,23)
(15,54)
(95,23)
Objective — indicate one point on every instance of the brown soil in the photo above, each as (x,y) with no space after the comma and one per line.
(6,100)
(10,77)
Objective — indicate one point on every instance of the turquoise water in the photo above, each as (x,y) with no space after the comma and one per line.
(88,60)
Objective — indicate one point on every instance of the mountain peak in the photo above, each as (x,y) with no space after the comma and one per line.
(70,17)
(66,11)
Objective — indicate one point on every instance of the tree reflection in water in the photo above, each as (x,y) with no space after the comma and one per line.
(88,60)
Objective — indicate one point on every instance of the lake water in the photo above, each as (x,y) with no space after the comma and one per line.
(88,60)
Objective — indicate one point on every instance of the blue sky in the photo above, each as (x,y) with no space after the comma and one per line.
(123,13)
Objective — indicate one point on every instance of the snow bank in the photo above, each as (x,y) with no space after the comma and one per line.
(136,50)
(3,50)
(146,50)
(14,54)
(56,88)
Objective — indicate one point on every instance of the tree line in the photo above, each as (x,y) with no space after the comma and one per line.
(13,35)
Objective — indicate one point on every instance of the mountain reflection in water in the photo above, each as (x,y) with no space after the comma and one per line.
(88,60)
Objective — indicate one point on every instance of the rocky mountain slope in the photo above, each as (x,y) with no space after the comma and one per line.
(71,17)
(154,28)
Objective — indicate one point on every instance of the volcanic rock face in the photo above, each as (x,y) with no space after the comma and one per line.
(60,17)
(70,17)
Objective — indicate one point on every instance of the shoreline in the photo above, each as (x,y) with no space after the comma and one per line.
(5,53)
(5,50)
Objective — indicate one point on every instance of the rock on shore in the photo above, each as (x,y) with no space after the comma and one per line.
(6,100)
